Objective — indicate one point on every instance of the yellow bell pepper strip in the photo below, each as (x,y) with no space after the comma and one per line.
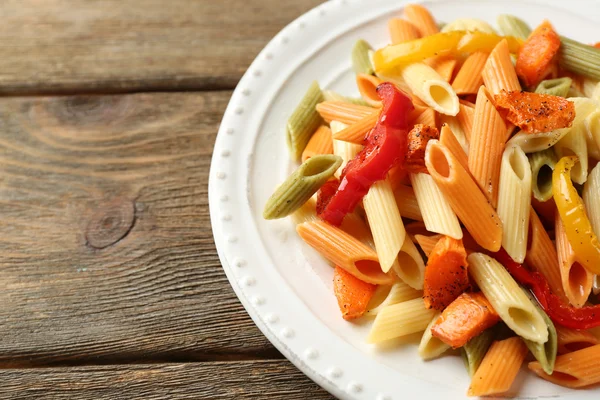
(570,207)
(481,41)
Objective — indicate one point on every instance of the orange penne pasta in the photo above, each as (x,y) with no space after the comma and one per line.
(573,370)
(465,117)
(541,255)
(572,339)
(469,79)
(421,18)
(443,65)
(499,71)
(427,117)
(576,280)
(499,367)
(402,31)
(464,196)
(319,143)
(346,113)
(367,86)
(486,145)
(407,202)
(344,251)
(427,243)
(356,132)
(448,139)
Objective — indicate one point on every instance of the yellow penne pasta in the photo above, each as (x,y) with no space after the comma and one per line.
(448,139)
(443,65)
(468,79)
(367,86)
(486,145)
(402,31)
(346,150)
(407,202)
(430,346)
(356,132)
(346,113)
(397,293)
(410,266)
(570,340)
(465,118)
(592,125)
(319,143)
(541,255)
(385,222)
(421,18)
(457,130)
(427,243)
(499,72)
(499,367)
(426,84)
(576,280)
(464,196)
(573,370)
(400,320)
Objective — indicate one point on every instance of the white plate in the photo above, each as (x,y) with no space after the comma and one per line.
(284,285)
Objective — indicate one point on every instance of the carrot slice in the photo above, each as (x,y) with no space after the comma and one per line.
(446,274)
(535,112)
(467,316)
(538,54)
(414,161)
(353,295)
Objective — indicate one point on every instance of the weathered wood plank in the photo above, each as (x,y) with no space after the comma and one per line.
(106,250)
(64,46)
(211,380)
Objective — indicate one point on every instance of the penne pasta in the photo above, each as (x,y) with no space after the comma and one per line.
(555,87)
(346,113)
(435,209)
(592,129)
(426,84)
(367,86)
(545,353)
(361,63)
(486,145)
(319,143)
(443,65)
(407,202)
(475,349)
(542,165)
(590,195)
(410,266)
(465,118)
(469,78)
(421,18)
(385,222)
(304,121)
(356,132)
(514,201)
(457,129)
(513,26)
(426,117)
(464,196)
(400,320)
(345,150)
(431,347)
(579,58)
(512,305)
(344,251)
(299,187)
(499,72)
(330,95)
(570,340)
(576,280)
(470,25)
(427,243)
(402,31)
(534,142)
(573,370)
(397,293)
(448,139)
(499,368)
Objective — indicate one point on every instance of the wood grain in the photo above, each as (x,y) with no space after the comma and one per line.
(65,46)
(106,250)
(210,380)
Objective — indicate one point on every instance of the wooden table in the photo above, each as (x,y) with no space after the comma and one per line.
(110,284)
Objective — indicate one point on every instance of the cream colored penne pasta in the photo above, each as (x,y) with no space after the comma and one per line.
(592,128)
(407,202)
(346,113)
(468,24)
(507,298)
(427,243)
(367,86)
(570,340)
(402,31)
(410,266)
(591,195)
(421,18)
(514,201)
(330,95)
(429,86)
(486,145)
(431,347)
(457,130)
(397,293)
(576,280)
(319,143)
(400,320)
(344,251)
(448,139)
(574,370)
(499,368)
(534,142)
(385,222)
(345,150)
(499,72)
(435,209)
(356,132)
(464,196)
(469,78)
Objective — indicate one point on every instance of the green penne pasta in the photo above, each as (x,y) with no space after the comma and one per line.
(330,95)
(304,121)
(513,26)
(299,187)
(542,165)
(545,353)
(579,58)
(361,62)
(555,87)
(475,349)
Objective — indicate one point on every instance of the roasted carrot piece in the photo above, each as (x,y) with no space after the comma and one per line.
(538,54)
(446,274)
(466,317)
(414,161)
(353,295)
(535,112)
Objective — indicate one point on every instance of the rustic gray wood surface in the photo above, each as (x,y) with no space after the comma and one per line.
(110,284)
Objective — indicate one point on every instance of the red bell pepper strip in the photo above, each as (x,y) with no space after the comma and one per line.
(561,313)
(385,147)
